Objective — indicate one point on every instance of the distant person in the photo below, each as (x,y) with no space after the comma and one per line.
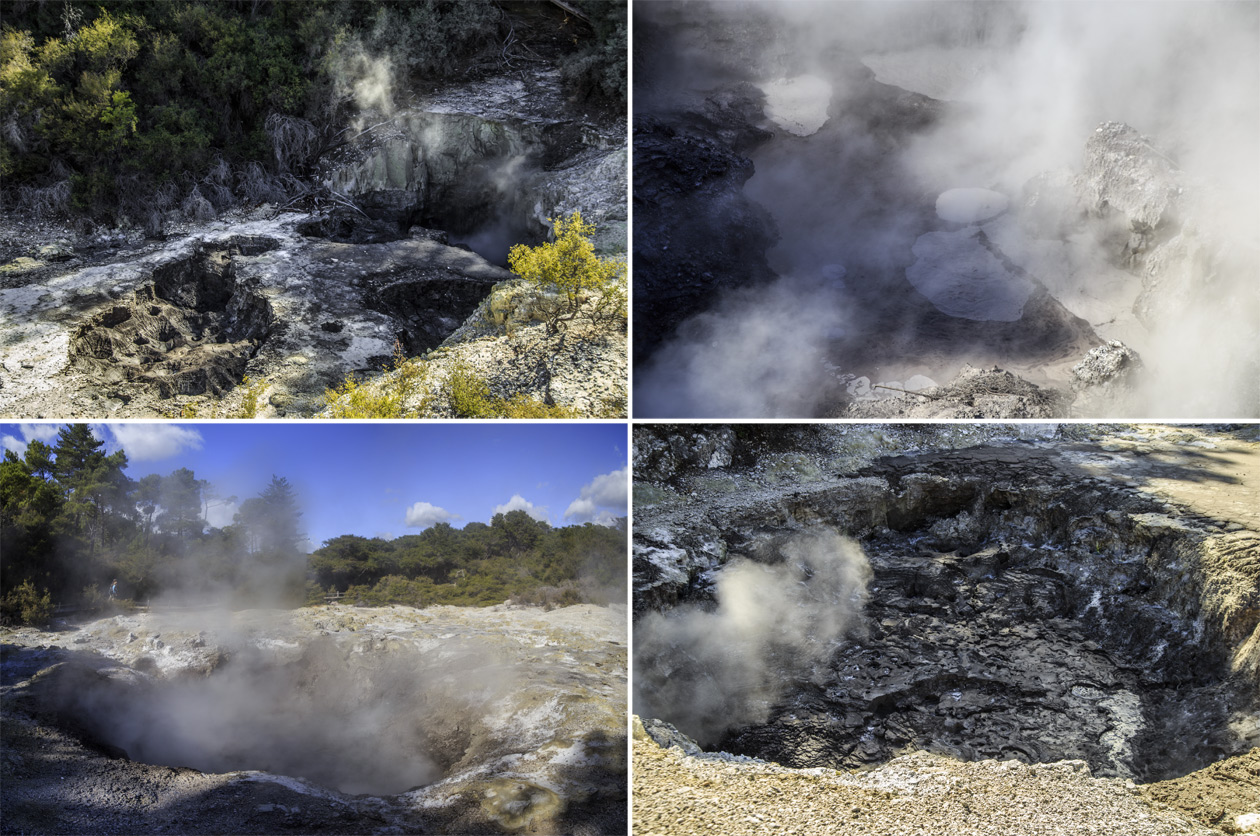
(113,589)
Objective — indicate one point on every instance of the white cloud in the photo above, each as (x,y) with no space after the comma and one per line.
(46,433)
(602,500)
(147,442)
(423,515)
(520,503)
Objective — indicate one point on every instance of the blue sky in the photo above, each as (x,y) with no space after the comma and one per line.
(383,480)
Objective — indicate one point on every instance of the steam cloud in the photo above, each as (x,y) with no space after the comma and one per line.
(362,723)
(1028,83)
(707,671)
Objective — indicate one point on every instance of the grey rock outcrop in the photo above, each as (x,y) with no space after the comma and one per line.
(1124,172)
(1107,377)
(973,393)
(659,456)
(499,150)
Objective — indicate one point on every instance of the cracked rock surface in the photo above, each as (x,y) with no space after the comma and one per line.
(1038,593)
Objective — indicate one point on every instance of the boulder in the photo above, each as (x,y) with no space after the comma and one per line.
(1106,380)
(1124,172)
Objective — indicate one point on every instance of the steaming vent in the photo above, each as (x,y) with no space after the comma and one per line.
(480,180)
(358,723)
(976,619)
(366,702)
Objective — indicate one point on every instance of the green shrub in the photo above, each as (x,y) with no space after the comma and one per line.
(386,397)
(598,70)
(569,265)
(469,397)
(26,605)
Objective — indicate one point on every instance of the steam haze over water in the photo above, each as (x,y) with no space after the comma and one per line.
(1020,89)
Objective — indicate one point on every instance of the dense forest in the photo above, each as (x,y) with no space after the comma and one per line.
(114,110)
(72,522)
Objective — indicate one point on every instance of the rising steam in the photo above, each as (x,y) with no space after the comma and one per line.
(1025,85)
(379,722)
(709,670)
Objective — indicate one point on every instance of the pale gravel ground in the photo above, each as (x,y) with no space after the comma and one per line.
(915,794)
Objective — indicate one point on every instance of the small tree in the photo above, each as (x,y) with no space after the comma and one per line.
(568,264)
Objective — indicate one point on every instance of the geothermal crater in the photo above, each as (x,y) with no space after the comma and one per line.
(446,719)
(406,234)
(1091,596)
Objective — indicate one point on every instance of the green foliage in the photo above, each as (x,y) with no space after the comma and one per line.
(469,397)
(570,267)
(388,397)
(515,557)
(599,69)
(26,605)
(250,398)
(71,520)
(121,101)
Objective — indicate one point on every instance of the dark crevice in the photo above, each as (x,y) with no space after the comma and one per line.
(191,331)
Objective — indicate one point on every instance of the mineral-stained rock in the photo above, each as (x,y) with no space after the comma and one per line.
(1124,172)
(680,791)
(973,393)
(1106,379)
(180,325)
(659,457)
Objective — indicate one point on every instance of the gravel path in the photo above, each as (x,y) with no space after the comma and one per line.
(919,793)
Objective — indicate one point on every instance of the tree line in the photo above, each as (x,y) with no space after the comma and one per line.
(72,522)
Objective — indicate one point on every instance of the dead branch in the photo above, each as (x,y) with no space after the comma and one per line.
(907,391)
(568,7)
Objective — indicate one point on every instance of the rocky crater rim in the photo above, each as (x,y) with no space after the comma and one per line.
(1092,600)
(191,331)
(447,699)
(483,163)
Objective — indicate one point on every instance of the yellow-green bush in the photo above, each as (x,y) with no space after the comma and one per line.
(387,397)
(569,264)
(469,397)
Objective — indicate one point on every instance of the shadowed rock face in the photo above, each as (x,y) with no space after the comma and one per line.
(1090,600)
(496,158)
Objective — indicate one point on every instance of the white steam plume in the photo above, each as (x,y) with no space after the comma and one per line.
(709,670)
(1027,84)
